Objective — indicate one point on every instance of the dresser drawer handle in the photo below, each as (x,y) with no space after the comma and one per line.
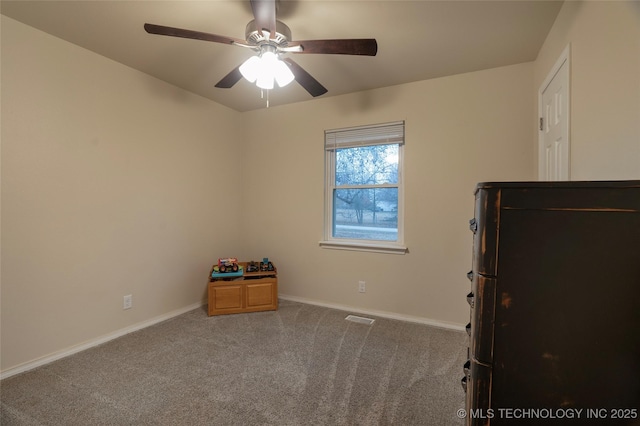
(470,299)
(463,382)
(473,225)
(467,367)
(468,328)
(470,275)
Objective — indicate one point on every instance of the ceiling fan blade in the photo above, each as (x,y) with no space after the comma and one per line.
(305,79)
(230,79)
(264,12)
(356,46)
(196,35)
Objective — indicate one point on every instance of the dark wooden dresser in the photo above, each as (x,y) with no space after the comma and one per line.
(555,304)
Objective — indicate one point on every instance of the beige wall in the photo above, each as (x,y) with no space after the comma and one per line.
(459,130)
(605,85)
(107,189)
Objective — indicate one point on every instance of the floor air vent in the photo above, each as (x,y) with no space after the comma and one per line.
(361,320)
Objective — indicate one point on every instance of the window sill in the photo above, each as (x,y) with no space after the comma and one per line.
(358,246)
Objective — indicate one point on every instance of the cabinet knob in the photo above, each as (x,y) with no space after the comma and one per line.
(467,367)
(470,299)
(470,275)
(468,329)
(473,225)
(463,382)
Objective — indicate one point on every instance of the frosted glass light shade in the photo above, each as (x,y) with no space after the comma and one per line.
(284,75)
(250,68)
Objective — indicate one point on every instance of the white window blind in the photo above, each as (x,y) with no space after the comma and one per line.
(381,134)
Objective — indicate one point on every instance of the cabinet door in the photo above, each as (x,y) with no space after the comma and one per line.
(262,295)
(225,298)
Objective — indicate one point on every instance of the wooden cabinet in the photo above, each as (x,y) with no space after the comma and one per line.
(555,319)
(253,292)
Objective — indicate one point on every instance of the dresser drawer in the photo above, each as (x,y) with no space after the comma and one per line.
(478,388)
(483,318)
(485,228)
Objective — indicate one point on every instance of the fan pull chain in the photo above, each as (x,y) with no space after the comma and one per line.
(262,96)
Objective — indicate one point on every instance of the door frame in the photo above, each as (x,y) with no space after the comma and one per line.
(565,57)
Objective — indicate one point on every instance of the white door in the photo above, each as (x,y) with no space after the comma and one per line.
(553,140)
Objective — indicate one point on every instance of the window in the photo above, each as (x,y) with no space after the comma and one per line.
(363,189)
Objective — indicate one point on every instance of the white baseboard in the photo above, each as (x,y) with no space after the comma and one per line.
(383,314)
(30,365)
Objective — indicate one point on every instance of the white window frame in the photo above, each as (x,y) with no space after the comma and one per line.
(377,134)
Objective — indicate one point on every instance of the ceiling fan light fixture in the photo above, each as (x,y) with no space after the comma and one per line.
(266,69)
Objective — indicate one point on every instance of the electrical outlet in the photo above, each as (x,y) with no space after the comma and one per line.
(362,286)
(128,302)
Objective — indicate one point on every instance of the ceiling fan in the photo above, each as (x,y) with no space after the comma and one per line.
(271,39)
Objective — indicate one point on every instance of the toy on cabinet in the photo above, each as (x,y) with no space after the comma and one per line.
(228,264)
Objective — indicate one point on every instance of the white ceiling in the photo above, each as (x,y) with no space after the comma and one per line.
(417,40)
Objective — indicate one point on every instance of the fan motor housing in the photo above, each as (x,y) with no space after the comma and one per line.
(256,37)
